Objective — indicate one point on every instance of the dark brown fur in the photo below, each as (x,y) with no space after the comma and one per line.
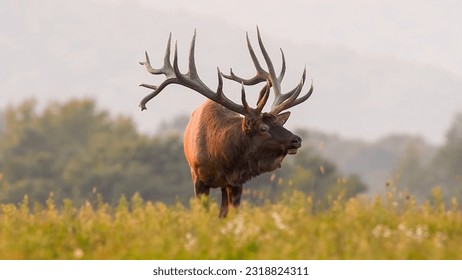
(225,150)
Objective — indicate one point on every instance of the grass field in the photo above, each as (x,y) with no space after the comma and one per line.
(388,227)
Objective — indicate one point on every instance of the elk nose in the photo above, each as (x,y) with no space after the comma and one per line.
(297,141)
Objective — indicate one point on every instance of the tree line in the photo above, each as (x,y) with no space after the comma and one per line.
(443,171)
(77,151)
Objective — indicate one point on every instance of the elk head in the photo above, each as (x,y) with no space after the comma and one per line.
(273,119)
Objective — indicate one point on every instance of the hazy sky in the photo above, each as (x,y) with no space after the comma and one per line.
(54,49)
(424,31)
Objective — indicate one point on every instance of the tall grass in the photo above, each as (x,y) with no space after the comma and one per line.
(388,227)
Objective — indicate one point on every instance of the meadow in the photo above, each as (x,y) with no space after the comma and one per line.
(392,226)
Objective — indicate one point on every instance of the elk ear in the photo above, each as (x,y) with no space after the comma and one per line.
(282,118)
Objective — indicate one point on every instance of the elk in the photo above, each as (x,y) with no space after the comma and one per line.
(225,143)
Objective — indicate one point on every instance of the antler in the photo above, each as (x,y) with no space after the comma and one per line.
(191,80)
(282,101)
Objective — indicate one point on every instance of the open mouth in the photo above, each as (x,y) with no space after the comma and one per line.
(292,151)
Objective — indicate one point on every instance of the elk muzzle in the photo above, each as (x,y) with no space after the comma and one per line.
(295,144)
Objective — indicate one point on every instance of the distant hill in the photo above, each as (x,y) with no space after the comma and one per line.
(373,161)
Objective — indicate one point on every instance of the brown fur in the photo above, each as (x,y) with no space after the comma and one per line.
(226,150)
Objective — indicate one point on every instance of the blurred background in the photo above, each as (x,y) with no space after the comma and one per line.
(386,111)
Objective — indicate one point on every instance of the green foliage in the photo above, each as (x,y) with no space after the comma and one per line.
(74,150)
(320,178)
(308,173)
(444,170)
(448,161)
(389,227)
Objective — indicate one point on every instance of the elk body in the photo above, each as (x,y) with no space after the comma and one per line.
(225,143)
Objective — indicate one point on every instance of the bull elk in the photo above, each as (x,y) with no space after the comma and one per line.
(225,143)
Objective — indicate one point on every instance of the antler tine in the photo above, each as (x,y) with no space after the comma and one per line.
(283,68)
(244,100)
(190,79)
(167,52)
(151,70)
(261,74)
(293,100)
(284,98)
(263,98)
(192,61)
(272,74)
(281,98)
(287,100)
(281,106)
(166,69)
(303,98)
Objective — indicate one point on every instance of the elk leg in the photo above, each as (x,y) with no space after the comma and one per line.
(234,195)
(224,203)
(230,195)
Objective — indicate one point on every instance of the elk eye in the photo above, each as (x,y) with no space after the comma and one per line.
(264,127)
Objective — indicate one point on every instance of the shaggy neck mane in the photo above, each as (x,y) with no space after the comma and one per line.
(247,161)
(240,157)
